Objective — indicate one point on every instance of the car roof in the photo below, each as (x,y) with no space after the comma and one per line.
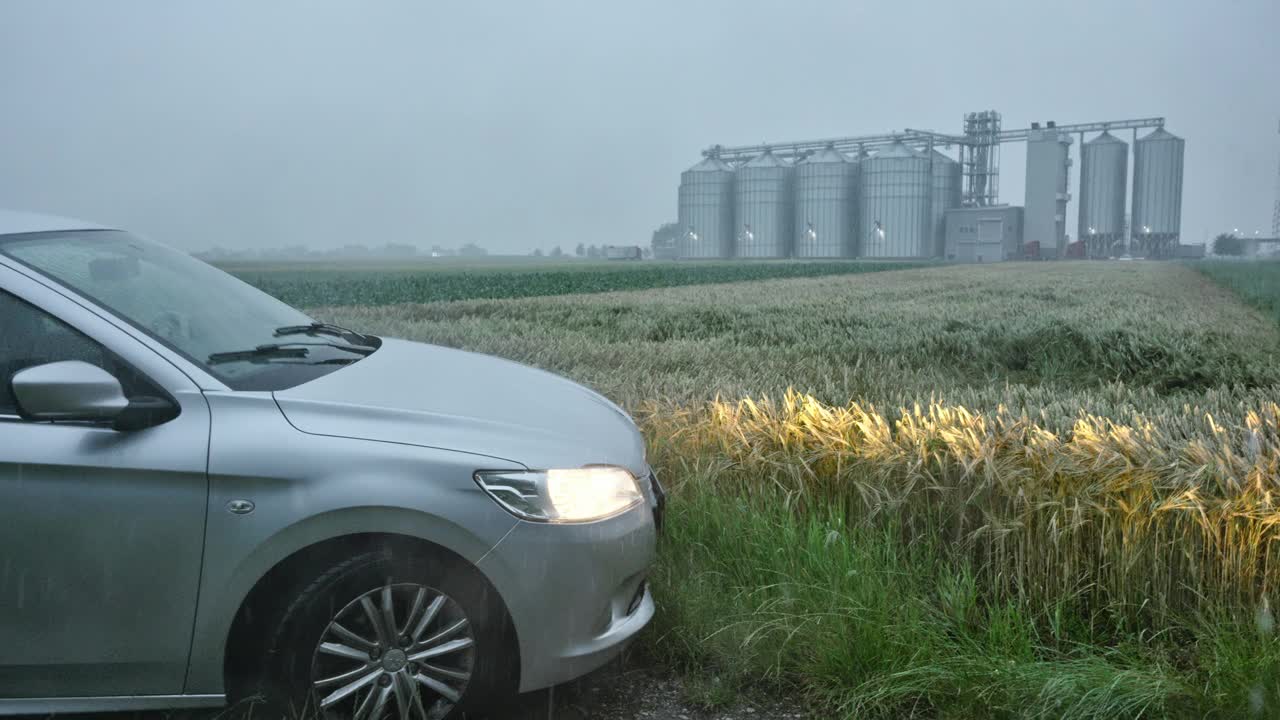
(14,222)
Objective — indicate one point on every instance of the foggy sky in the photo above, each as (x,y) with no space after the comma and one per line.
(520,124)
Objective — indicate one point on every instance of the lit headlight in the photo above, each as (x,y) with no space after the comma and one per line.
(563,496)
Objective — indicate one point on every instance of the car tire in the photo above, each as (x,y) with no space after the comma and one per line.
(332,638)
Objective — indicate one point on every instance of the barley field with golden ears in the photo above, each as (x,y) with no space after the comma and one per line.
(1115,513)
(1036,490)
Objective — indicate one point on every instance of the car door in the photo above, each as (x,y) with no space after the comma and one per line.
(101,532)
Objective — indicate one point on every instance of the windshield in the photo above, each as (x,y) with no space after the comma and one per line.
(193,308)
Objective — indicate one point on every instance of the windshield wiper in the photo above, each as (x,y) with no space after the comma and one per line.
(274,351)
(320,328)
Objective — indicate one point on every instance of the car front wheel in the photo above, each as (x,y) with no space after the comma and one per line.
(378,637)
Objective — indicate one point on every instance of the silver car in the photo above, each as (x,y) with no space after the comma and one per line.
(205,495)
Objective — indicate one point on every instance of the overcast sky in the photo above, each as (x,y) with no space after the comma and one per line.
(521,124)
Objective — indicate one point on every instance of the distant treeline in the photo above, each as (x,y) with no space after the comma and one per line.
(346,252)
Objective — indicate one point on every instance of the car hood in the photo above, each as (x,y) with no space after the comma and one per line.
(427,395)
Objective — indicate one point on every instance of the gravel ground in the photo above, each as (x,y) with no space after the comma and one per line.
(622,691)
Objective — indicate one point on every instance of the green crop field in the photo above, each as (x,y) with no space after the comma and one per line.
(379,283)
(1040,490)
(1257,282)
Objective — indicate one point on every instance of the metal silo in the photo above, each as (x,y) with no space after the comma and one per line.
(1157,193)
(945,196)
(705,210)
(893,209)
(824,197)
(763,208)
(1104,165)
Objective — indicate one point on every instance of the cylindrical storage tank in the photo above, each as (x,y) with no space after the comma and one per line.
(705,210)
(945,196)
(1104,167)
(893,209)
(1157,194)
(823,205)
(762,211)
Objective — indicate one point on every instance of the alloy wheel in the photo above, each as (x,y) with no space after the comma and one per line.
(403,651)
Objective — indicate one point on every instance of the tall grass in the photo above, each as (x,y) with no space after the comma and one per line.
(1124,517)
(1257,283)
(866,626)
(937,561)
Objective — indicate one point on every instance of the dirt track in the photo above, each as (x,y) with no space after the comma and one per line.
(625,691)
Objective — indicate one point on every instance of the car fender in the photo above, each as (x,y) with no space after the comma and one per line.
(266,504)
(215,618)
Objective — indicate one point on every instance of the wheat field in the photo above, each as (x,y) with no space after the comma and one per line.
(1026,490)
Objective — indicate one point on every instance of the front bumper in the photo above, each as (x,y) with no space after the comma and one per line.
(576,593)
(658,500)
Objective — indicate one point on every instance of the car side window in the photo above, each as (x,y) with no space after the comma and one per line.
(30,337)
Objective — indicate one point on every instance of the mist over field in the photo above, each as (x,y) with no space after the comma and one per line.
(246,124)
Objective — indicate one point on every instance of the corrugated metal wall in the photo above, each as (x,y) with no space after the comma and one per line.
(1104,168)
(763,208)
(824,184)
(1047,190)
(1157,193)
(893,210)
(705,210)
(947,188)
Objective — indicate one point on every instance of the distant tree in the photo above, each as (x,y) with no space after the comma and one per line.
(396,250)
(1228,244)
(581,250)
(556,252)
(349,251)
(665,240)
(537,252)
(667,234)
(472,250)
(593,252)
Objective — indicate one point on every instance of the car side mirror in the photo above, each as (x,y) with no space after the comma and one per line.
(68,390)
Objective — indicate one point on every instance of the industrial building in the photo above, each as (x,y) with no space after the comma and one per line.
(1044,223)
(1260,247)
(983,233)
(925,194)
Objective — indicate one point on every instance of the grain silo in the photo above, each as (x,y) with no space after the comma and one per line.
(1104,166)
(705,210)
(945,195)
(824,198)
(762,210)
(893,210)
(1157,194)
